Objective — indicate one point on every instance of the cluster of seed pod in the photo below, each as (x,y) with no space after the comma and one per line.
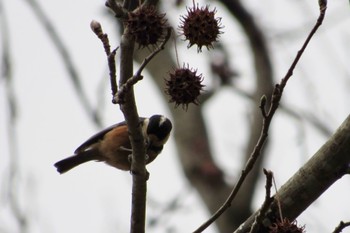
(199,27)
(286,226)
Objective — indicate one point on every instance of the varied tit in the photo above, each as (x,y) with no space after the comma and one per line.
(112,145)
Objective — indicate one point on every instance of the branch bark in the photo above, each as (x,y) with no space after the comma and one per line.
(328,165)
(129,109)
(138,170)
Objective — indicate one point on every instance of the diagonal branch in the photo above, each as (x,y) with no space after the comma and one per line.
(342,225)
(66,59)
(326,166)
(119,96)
(275,100)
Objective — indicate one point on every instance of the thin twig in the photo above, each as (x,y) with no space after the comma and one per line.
(97,29)
(342,225)
(262,106)
(155,52)
(276,97)
(278,200)
(120,95)
(6,74)
(112,73)
(268,200)
(117,8)
(66,59)
(294,112)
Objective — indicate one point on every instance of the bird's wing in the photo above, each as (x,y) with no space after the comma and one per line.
(99,136)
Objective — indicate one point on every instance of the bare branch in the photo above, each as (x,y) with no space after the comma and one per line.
(326,166)
(266,204)
(129,109)
(154,53)
(97,29)
(66,59)
(342,225)
(11,122)
(276,97)
(262,105)
(298,114)
(112,73)
(119,96)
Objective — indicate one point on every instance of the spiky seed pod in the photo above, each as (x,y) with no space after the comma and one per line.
(147,26)
(200,27)
(184,86)
(285,226)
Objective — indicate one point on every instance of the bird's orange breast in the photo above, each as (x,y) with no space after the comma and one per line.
(115,148)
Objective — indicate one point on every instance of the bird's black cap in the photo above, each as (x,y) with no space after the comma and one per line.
(160,126)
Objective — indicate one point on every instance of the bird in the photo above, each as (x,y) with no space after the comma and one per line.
(112,145)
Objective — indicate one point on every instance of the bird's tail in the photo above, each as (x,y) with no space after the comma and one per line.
(74,160)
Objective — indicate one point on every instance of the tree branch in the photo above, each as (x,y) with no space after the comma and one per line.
(13,171)
(129,109)
(66,59)
(138,170)
(266,204)
(275,100)
(328,165)
(119,96)
(342,225)
(97,29)
(264,86)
